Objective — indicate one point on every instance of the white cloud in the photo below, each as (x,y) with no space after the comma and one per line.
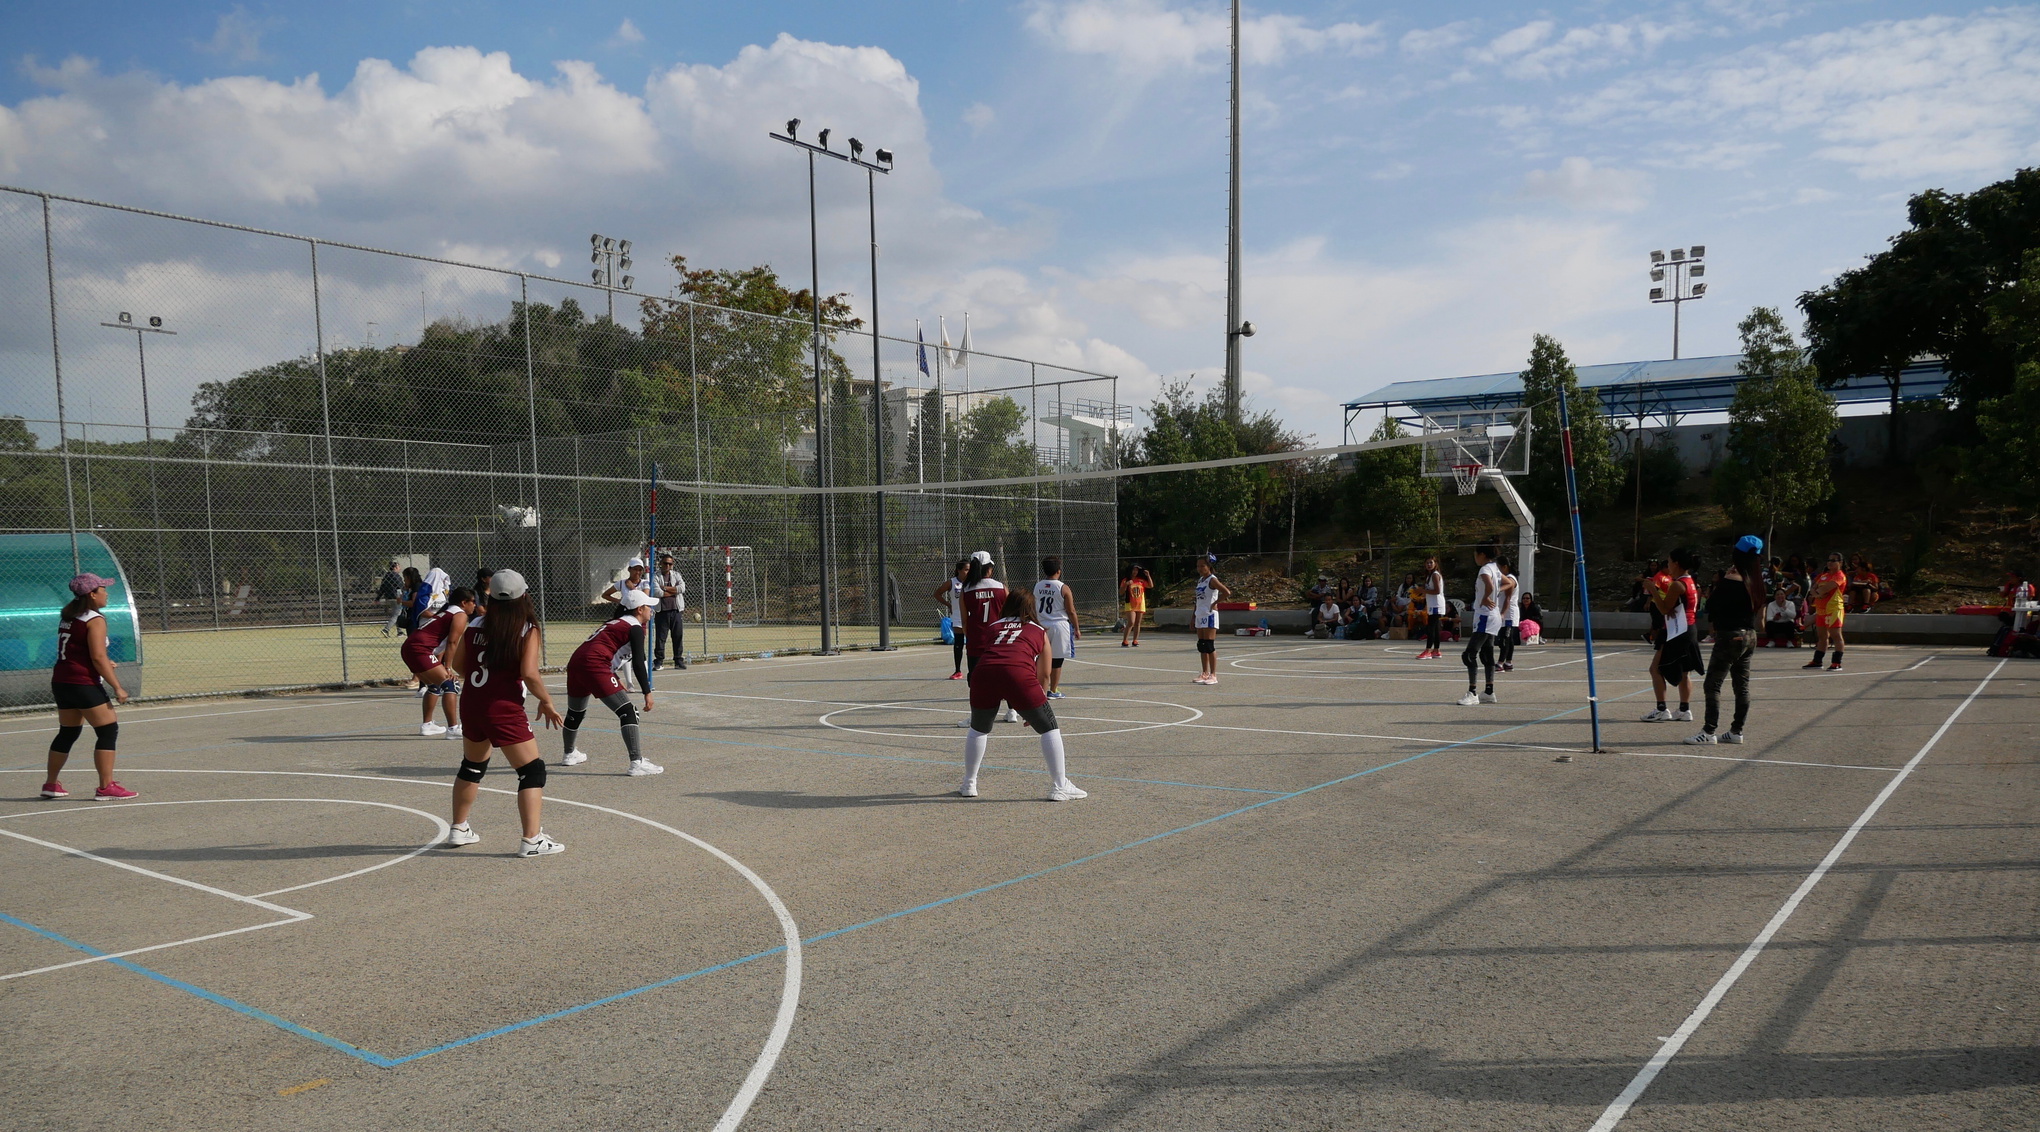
(1581,184)
(238,36)
(978,116)
(627,33)
(1531,52)
(1931,97)
(1148,36)
(1429,41)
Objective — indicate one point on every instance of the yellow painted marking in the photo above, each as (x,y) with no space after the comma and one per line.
(301,1088)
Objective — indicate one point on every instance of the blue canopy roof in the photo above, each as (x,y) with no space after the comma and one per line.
(1685,385)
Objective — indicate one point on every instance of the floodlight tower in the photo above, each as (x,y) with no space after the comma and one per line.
(1675,277)
(611,258)
(1235,327)
(127,322)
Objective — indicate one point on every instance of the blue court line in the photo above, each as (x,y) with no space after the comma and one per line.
(381,1061)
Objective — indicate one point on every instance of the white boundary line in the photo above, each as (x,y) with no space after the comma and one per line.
(1619,1107)
(789,995)
(1139,725)
(294,916)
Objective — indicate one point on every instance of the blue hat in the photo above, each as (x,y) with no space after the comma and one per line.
(1750,544)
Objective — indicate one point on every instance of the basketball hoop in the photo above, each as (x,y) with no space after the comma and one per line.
(1467,476)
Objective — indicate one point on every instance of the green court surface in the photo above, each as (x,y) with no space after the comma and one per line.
(1318,895)
(212,661)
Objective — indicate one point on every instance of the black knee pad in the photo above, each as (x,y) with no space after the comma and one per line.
(1206,644)
(627,715)
(531,776)
(65,737)
(574,718)
(472,772)
(105,737)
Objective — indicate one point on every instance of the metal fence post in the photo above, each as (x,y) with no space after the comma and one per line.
(700,498)
(332,493)
(531,407)
(57,364)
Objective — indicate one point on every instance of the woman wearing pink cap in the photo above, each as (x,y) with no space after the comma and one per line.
(75,685)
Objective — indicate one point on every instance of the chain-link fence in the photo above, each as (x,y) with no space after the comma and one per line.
(257,424)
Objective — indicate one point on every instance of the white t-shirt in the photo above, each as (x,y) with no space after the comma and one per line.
(1512,610)
(1434,593)
(438,583)
(1780,610)
(1048,601)
(1487,591)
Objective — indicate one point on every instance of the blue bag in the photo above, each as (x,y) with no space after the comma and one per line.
(948,630)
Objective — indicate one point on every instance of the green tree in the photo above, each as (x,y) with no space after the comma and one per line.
(1551,375)
(2006,465)
(1387,491)
(1932,293)
(1183,512)
(1780,428)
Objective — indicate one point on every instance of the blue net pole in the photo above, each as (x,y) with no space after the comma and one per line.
(1572,499)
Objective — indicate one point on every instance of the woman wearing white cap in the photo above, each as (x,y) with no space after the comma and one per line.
(498,659)
(591,674)
(75,686)
(984,597)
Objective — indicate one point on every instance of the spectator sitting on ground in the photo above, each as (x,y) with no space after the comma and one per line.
(1530,625)
(1324,616)
(1781,621)
(1370,592)
(1865,589)
(1797,574)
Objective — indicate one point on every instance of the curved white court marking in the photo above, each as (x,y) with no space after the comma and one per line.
(1195,715)
(789,994)
(291,915)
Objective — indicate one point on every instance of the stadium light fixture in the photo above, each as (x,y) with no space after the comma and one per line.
(1699,251)
(127,322)
(1657,257)
(823,520)
(611,258)
(1676,274)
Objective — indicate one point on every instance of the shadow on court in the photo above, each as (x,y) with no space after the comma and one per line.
(797,800)
(258,853)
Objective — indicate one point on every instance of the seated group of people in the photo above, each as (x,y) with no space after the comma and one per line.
(1368,611)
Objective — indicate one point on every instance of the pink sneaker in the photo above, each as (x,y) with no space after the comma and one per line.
(956,676)
(54,789)
(113,792)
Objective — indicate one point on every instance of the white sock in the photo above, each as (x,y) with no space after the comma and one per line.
(1052,754)
(974,744)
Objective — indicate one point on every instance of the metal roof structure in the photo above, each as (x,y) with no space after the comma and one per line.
(1668,388)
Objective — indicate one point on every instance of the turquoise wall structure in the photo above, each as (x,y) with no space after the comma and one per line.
(35,575)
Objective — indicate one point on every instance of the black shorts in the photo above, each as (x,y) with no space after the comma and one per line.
(79,696)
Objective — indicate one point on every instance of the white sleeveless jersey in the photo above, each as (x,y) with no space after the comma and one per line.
(1512,612)
(1048,601)
(1434,598)
(1207,595)
(956,601)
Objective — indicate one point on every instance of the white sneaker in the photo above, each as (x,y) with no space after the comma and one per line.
(1065,791)
(1012,715)
(539,846)
(1703,739)
(964,722)
(1732,737)
(573,758)
(462,835)
(1683,715)
(1469,699)
(645,768)
(968,789)
(1657,716)
(430,729)
(454,732)
(1488,698)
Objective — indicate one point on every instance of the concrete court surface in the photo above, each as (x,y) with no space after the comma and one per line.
(1318,895)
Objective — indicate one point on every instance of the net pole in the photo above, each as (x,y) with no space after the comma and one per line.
(1586,618)
(822,531)
(878,426)
(57,369)
(332,495)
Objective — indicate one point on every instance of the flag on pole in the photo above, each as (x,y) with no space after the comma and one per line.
(948,351)
(921,346)
(963,351)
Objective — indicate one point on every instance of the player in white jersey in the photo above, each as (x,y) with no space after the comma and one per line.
(1483,621)
(1512,616)
(950,595)
(1434,609)
(1205,620)
(1055,608)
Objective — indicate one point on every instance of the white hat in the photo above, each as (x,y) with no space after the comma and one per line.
(638,562)
(984,556)
(634,599)
(507,585)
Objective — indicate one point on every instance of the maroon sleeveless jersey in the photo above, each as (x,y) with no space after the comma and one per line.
(1007,665)
(421,648)
(981,606)
(74,653)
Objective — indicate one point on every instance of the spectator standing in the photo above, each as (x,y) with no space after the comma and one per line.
(671,590)
(1732,607)
(390,591)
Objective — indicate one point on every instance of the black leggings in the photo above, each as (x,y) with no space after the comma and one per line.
(1507,639)
(956,652)
(1433,625)
(1482,646)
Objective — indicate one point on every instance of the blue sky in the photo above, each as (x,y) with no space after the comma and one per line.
(1427,185)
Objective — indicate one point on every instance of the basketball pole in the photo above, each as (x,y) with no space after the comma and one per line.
(1572,499)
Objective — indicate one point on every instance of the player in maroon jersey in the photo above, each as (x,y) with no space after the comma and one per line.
(422,651)
(80,698)
(498,659)
(591,674)
(1012,668)
(984,596)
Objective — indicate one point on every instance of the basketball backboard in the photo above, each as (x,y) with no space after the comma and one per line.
(1498,442)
